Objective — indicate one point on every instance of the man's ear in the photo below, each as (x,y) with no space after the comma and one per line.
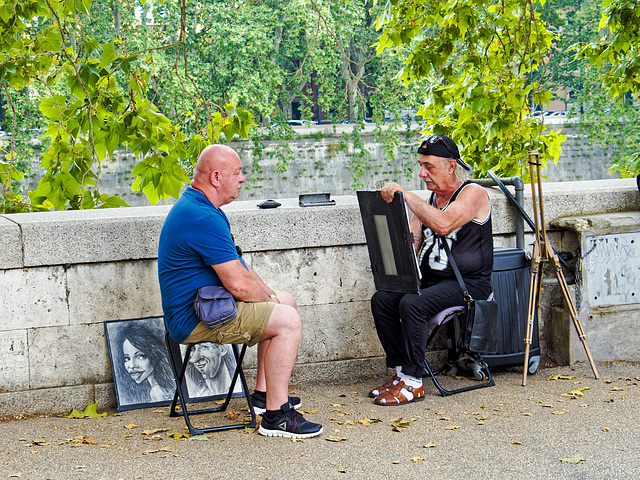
(214,178)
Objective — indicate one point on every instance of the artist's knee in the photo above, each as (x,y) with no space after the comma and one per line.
(409,307)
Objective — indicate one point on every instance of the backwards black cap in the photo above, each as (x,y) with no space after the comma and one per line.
(442,146)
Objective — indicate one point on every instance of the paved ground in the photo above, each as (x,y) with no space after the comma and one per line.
(568,428)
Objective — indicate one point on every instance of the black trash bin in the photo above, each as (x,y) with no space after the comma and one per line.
(510,282)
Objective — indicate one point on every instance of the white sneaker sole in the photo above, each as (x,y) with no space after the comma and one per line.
(281,433)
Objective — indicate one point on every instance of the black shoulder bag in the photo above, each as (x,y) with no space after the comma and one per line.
(478,334)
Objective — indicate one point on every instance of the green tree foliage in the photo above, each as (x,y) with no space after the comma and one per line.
(611,84)
(97,99)
(480,58)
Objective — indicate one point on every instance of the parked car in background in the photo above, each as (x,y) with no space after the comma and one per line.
(297,123)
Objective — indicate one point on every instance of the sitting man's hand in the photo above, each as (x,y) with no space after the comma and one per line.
(389,191)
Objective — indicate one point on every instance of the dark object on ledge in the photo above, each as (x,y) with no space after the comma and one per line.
(638,182)
(269,204)
(315,199)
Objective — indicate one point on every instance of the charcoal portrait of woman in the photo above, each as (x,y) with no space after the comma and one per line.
(140,362)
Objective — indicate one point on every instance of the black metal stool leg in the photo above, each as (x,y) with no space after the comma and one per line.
(180,395)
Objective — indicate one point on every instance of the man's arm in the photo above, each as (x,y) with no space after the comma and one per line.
(245,285)
(472,203)
(415,225)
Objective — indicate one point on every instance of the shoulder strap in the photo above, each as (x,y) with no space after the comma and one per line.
(455,268)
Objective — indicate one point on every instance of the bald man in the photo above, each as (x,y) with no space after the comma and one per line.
(196,249)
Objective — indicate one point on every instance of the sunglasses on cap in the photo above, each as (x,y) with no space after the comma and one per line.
(432,140)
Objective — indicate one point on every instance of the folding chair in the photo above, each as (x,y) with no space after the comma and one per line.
(180,394)
(480,368)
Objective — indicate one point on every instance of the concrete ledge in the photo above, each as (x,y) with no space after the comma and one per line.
(72,237)
(89,236)
(11,241)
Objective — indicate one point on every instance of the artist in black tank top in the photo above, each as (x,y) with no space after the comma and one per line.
(460,211)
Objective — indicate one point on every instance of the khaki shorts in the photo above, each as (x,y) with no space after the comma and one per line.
(247,326)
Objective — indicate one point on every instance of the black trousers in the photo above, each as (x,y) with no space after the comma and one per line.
(402,320)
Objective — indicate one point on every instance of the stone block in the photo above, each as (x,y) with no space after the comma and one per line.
(337,332)
(33,297)
(339,370)
(291,226)
(333,332)
(47,400)
(11,241)
(558,336)
(318,275)
(71,355)
(611,334)
(14,361)
(105,396)
(90,236)
(114,291)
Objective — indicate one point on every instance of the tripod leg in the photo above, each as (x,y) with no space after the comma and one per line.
(535,285)
(572,309)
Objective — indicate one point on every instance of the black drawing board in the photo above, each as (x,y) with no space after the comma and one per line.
(390,242)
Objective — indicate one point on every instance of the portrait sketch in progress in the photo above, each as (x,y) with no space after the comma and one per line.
(140,362)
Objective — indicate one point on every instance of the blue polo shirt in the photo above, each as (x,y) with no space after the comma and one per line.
(195,235)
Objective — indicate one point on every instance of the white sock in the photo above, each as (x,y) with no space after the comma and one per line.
(410,381)
(399,370)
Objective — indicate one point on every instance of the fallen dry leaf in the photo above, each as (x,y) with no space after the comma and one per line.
(165,449)
(429,445)
(562,377)
(335,438)
(417,459)
(154,431)
(574,459)
(452,427)
(130,426)
(516,442)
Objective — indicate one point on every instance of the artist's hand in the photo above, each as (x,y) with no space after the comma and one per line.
(389,191)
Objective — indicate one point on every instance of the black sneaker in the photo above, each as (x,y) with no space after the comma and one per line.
(290,424)
(259,401)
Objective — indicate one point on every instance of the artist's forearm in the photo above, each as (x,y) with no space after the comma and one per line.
(437,220)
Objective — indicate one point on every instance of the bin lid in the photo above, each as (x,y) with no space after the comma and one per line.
(509,259)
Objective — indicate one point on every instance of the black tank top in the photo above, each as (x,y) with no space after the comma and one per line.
(471,245)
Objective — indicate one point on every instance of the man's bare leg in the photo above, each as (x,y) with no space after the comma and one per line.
(285,298)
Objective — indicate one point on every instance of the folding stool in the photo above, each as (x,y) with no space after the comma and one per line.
(180,394)
(444,318)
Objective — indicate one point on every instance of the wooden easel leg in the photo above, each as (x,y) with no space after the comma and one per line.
(542,251)
(572,309)
(535,285)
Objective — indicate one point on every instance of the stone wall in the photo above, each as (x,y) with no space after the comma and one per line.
(320,162)
(63,274)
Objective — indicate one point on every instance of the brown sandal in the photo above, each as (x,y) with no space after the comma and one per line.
(394,395)
(380,390)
